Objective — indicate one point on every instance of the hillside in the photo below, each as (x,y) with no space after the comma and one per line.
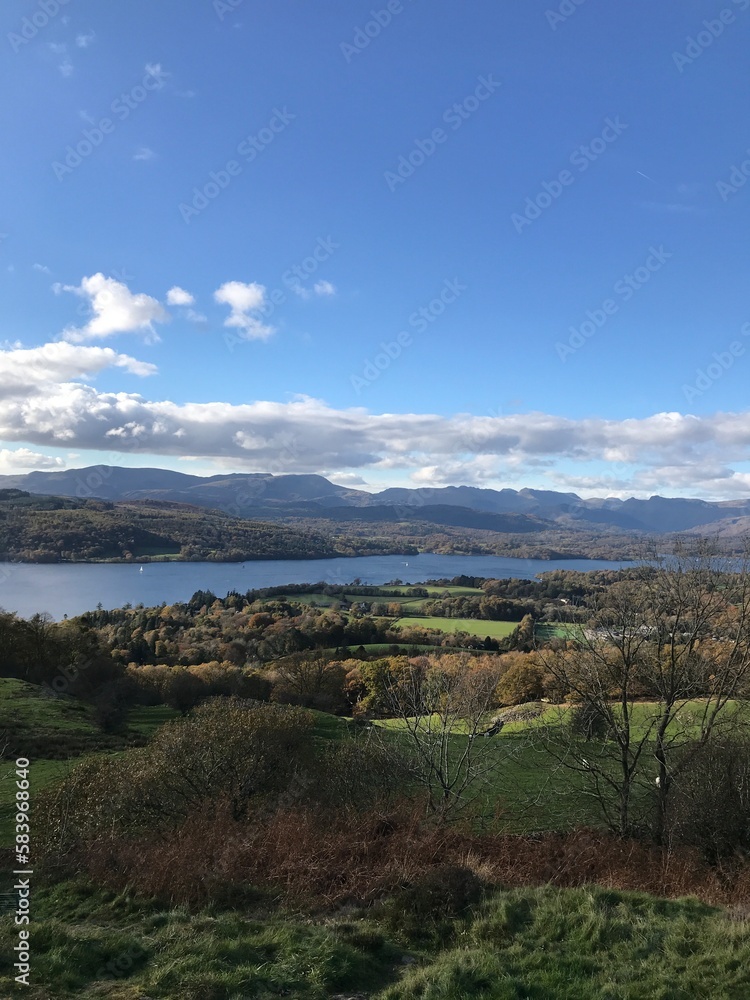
(268,497)
(54,529)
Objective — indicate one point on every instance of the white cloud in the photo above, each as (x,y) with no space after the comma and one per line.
(247,303)
(115,309)
(26,371)
(42,268)
(144,153)
(44,402)
(351,479)
(323,289)
(84,40)
(21,460)
(66,68)
(177,296)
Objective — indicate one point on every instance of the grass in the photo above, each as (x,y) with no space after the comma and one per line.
(545,632)
(525,792)
(90,943)
(36,725)
(547,944)
(146,719)
(25,703)
(537,944)
(528,790)
(474,626)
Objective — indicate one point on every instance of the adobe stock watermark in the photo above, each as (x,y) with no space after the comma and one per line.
(33,23)
(696,45)
(224,7)
(455,116)
(293,280)
(738,177)
(366,33)
(121,108)
(563,13)
(248,150)
(717,368)
(581,158)
(419,322)
(623,291)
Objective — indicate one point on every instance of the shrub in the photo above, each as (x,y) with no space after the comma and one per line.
(229,750)
(360,773)
(709,804)
(587,722)
(522,681)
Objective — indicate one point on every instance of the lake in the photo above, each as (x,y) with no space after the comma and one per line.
(72,588)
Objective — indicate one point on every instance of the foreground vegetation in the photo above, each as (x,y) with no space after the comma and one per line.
(232,798)
(536,943)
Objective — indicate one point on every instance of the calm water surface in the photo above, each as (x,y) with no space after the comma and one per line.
(74,588)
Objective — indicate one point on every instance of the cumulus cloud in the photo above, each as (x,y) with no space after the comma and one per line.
(115,309)
(21,460)
(177,296)
(144,153)
(45,402)
(42,268)
(28,371)
(247,303)
(84,40)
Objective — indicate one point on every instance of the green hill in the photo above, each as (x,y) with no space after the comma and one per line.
(62,529)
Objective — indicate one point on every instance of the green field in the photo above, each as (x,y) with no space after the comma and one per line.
(474,626)
(403,598)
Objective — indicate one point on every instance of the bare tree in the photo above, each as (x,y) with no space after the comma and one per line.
(676,637)
(444,707)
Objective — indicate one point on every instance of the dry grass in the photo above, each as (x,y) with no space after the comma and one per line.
(319,860)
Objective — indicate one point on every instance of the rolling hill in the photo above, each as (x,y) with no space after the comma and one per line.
(267,497)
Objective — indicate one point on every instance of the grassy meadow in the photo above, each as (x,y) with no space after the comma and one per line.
(474,626)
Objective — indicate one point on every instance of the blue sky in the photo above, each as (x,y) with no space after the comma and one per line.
(540,212)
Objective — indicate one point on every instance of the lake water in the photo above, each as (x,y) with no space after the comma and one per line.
(71,589)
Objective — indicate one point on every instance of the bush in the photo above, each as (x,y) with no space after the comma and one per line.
(710,800)
(587,722)
(523,680)
(110,710)
(361,773)
(228,751)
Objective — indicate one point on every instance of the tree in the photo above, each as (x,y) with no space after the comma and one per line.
(443,706)
(182,690)
(676,636)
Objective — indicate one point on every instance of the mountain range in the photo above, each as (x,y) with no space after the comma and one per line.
(265,496)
